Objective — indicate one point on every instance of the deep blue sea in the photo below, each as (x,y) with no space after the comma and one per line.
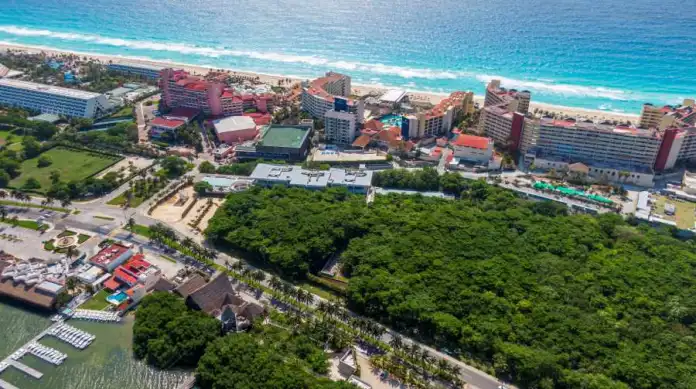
(599,54)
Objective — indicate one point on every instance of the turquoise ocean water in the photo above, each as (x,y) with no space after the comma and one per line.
(609,54)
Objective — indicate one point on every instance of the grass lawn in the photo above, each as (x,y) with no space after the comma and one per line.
(67,233)
(124,111)
(142,190)
(684,215)
(73,165)
(142,230)
(170,259)
(82,238)
(97,302)
(103,217)
(29,224)
(121,199)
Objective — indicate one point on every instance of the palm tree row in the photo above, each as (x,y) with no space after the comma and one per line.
(414,352)
(24,197)
(162,234)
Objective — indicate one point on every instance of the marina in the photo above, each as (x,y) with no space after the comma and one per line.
(71,335)
(77,338)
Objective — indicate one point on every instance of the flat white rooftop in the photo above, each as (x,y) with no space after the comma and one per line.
(234,123)
(393,96)
(49,89)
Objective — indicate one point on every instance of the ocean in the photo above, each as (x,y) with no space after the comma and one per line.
(106,364)
(611,55)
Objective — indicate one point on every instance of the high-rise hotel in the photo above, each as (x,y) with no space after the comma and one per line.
(665,138)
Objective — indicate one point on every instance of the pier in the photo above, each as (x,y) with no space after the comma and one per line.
(103,316)
(7,385)
(26,369)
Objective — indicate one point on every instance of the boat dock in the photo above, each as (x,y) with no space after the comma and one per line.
(7,385)
(26,369)
(47,354)
(103,316)
(71,335)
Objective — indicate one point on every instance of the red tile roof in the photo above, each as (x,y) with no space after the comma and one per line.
(362,141)
(167,123)
(124,276)
(112,284)
(475,142)
(109,254)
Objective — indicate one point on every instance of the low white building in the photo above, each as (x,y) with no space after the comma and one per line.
(473,148)
(52,99)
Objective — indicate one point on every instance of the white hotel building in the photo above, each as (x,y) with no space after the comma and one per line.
(144,70)
(326,98)
(52,99)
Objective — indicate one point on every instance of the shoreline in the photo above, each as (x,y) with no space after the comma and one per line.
(358,88)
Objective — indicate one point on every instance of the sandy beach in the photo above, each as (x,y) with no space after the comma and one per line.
(358,89)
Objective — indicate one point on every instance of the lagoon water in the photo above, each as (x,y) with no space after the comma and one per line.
(609,54)
(106,364)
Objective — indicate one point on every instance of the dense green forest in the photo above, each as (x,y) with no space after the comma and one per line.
(168,334)
(267,358)
(549,300)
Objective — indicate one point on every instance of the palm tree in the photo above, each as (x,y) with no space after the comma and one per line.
(3,212)
(397,342)
(65,202)
(3,194)
(188,242)
(70,252)
(15,220)
(130,223)
(275,283)
(259,276)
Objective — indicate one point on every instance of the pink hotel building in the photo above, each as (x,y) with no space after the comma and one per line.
(212,97)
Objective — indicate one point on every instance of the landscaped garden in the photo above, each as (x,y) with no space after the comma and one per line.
(71,164)
(141,190)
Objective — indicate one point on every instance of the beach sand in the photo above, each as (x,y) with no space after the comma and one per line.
(358,89)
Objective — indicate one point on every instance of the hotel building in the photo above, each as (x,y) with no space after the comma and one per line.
(326,98)
(668,116)
(440,119)
(340,127)
(52,99)
(608,151)
(496,95)
(212,97)
(144,70)
(505,127)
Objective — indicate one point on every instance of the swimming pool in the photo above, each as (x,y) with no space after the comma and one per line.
(117,298)
(391,120)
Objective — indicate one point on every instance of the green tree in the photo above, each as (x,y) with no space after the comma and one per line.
(4,179)
(202,187)
(31,147)
(43,161)
(206,167)
(31,184)
(173,166)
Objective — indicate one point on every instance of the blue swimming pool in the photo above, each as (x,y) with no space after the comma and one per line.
(391,120)
(117,298)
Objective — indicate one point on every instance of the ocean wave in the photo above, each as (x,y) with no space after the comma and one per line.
(561,89)
(216,52)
